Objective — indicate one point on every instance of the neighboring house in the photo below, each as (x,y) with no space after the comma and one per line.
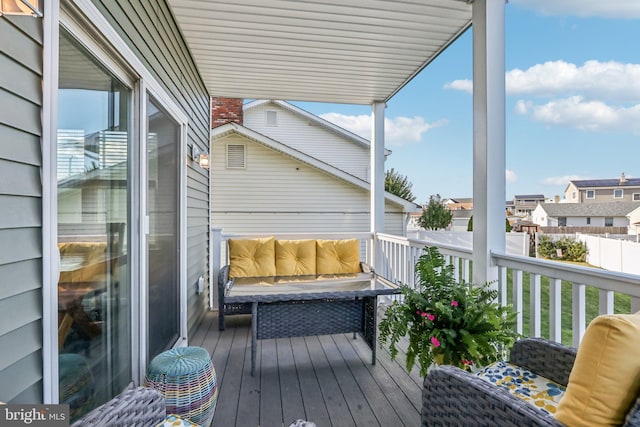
(621,189)
(634,221)
(614,214)
(524,204)
(460,219)
(104,218)
(458,204)
(285,171)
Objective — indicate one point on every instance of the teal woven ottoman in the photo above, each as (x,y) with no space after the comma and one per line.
(187,379)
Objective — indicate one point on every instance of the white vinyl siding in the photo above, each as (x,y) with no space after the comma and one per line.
(277,194)
(312,139)
(21,47)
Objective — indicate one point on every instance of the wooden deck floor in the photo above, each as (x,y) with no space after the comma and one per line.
(325,379)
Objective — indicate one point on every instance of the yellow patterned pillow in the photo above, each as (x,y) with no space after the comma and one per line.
(337,256)
(252,257)
(295,257)
(605,379)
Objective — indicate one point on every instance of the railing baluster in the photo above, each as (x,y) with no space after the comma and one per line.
(605,302)
(456,267)
(534,297)
(555,309)
(578,312)
(502,285)
(517,298)
(466,273)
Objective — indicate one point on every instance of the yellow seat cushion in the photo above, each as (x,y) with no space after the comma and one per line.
(337,256)
(295,257)
(605,379)
(252,257)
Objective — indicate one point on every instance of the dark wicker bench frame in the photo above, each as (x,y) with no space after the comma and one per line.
(452,396)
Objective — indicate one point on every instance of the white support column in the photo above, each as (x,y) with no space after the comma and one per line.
(377,179)
(488,137)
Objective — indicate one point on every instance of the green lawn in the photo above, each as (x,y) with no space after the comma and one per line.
(622,304)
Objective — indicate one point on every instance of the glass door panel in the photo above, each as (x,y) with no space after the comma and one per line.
(163,144)
(94,289)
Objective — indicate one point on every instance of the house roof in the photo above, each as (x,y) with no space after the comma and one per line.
(613,209)
(529,196)
(230,128)
(353,52)
(316,119)
(460,200)
(599,183)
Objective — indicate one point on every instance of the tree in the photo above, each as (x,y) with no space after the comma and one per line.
(507,226)
(398,184)
(435,215)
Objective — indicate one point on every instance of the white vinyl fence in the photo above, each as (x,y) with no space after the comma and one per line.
(612,254)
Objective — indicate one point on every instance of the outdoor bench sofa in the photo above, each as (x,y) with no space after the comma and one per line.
(267,266)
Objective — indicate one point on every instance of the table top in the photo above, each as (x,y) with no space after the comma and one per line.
(333,288)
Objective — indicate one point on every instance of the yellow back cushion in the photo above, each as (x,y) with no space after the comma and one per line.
(295,257)
(252,257)
(337,256)
(605,379)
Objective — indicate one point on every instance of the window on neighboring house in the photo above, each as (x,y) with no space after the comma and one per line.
(588,220)
(562,221)
(271,118)
(636,197)
(608,221)
(591,194)
(618,193)
(573,195)
(236,156)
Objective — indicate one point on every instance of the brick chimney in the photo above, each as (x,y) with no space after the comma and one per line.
(225,110)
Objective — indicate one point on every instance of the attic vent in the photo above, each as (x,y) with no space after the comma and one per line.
(236,157)
(271,118)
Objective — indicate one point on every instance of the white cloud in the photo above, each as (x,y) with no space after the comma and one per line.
(561,180)
(594,79)
(464,85)
(576,112)
(611,80)
(627,9)
(511,176)
(398,130)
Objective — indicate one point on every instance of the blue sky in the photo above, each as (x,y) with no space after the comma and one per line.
(573,103)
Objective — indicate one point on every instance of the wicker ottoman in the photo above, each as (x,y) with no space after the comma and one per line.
(186,378)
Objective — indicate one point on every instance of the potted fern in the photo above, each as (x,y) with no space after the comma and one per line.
(446,321)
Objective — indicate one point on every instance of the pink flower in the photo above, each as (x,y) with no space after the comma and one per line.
(454,303)
(430,316)
(423,314)
(417,311)
(435,342)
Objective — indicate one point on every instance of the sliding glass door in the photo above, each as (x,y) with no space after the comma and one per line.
(94,289)
(163,248)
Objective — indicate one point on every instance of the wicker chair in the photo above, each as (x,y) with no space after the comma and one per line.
(136,407)
(453,397)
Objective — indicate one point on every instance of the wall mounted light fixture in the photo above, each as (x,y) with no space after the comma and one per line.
(20,7)
(201,158)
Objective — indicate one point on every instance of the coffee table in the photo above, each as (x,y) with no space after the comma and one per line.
(297,309)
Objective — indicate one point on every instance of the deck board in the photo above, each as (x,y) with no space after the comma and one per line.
(327,379)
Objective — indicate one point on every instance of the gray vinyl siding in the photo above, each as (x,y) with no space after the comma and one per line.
(312,139)
(278,194)
(150,31)
(20,210)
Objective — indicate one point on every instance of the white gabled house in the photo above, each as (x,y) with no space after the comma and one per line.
(614,214)
(286,170)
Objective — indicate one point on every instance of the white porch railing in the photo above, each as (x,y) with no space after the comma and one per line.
(519,274)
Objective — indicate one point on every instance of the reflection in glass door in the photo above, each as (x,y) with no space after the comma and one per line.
(163,145)
(94,313)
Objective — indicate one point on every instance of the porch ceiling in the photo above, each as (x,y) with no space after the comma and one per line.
(339,51)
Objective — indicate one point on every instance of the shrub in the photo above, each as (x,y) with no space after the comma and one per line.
(564,249)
